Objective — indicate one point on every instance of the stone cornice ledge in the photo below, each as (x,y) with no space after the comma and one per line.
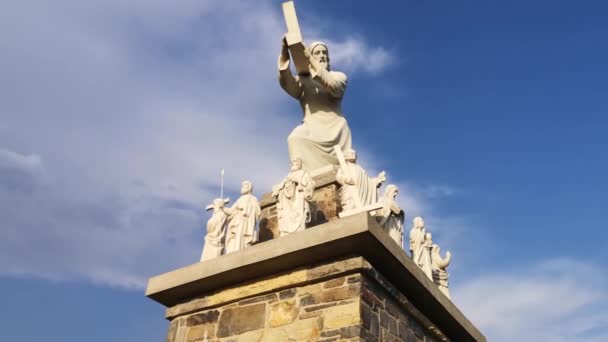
(353,235)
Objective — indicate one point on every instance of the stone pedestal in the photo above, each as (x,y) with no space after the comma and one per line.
(325,206)
(344,280)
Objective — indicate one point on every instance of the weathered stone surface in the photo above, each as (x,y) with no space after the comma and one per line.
(210,316)
(235,321)
(350,332)
(334,282)
(200,332)
(266,298)
(342,299)
(283,313)
(341,316)
(330,333)
(287,294)
(172,330)
(331,295)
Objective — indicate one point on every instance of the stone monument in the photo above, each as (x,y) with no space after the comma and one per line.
(242,219)
(216,229)
(328,263)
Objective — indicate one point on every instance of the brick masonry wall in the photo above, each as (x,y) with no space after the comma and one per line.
(343,300)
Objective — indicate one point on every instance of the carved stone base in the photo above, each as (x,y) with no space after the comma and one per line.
(345,280)
(325,206)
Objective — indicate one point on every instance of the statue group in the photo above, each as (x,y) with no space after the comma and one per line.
(323,138)
(232,229)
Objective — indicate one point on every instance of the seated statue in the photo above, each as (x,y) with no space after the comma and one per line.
(216,228)
(320,94)
(242,219)
(293,196)
(358,190)
(390,216)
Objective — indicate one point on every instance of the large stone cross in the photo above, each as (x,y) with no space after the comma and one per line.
(294,39)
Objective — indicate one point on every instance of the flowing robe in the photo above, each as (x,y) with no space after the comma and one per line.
(323,125)
(364,192)
(242,218)
(216,227)
(293,195)
(417,242)
(391,217)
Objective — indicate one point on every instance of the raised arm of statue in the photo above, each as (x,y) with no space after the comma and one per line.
(288,82)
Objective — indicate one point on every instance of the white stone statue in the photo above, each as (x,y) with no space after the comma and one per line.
(293,195)
(320,94)
(440,275)
(357,190)
(242,219)
(419,247)
(390,216)
(216,229)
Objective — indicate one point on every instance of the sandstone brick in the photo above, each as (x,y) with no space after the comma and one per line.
(306,315)
(392,327)
(287,294)
(355,278)
(383,319)
(334,282)
(349,332)
(341,316)
(200,332)
(330,333)
(240,319)
(371,299)
(330,295)
(266,298)
(318,307)
(283,313)
(374,324)
(210,316)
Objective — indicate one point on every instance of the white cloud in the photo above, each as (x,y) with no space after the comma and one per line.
(557,300)
(115,119)
(354,54)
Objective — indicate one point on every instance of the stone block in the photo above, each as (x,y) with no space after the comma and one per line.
(235,321)
(340,316)
(206,317)
(201,332)
(283,313)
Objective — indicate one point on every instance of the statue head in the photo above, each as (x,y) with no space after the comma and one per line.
(428,239)
(246,187)
(350,156)
(391,191)
(296,164)
(418,222)
(218,204)
(320,53)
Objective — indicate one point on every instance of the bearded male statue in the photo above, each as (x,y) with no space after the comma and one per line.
(242,219)
(320,95)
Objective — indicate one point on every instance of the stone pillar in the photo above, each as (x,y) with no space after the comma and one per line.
(345,280)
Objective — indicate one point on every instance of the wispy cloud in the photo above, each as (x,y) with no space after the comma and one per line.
(556,300)
(355,54)
(117,116)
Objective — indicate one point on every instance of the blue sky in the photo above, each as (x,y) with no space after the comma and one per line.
(115,117)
